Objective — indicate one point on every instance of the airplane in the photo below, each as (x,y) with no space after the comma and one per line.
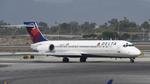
(82,49)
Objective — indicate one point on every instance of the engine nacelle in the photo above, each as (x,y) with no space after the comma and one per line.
(51,47)
(45,48)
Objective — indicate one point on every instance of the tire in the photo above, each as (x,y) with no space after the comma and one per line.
(32,56)
(65,60)
(83,59)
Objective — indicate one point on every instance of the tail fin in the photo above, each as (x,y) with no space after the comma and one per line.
(34,32)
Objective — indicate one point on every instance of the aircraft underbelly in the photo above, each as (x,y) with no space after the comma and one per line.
(93,52)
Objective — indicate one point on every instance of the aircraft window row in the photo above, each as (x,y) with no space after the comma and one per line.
(76,46)
(103,44)
(83,46)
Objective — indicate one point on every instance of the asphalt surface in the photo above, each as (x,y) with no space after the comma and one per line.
(75,73)
(45,70)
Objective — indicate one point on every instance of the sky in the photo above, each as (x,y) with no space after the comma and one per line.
(58,11)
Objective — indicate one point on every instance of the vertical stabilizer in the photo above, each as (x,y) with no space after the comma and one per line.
(34,32)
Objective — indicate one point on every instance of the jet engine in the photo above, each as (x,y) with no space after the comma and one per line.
(46,48)
(51,47)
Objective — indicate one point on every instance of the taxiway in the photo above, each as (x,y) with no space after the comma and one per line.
(75,73)
(50,70)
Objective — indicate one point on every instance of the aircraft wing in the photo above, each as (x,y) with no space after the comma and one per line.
(72,54)
(58,54)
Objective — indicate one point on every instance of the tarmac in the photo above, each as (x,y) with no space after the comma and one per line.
(76,73)
(51,70)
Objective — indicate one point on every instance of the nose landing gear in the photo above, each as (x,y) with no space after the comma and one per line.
(132,60)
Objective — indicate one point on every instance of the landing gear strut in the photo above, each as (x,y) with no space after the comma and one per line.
(65,59)
(83,59)
(132,60)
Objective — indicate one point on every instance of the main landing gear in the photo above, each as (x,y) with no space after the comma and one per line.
(83,59)
(28,57)
(132,60)
(65,59)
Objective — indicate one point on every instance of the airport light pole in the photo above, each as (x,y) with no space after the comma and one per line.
(143,33)
(58,29)
(71,29)
(118,30)
(58,32)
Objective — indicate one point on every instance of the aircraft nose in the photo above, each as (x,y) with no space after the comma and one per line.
(136,52)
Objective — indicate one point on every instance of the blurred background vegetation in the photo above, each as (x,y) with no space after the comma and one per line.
(113,29)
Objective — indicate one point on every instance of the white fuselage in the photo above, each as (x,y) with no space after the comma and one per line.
(92,48)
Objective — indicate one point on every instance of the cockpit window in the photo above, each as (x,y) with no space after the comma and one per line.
(131,45)
(128,45)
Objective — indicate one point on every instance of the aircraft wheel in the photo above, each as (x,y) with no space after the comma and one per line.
(25,57)
(32,56)
(132,60)
(28,57)
(65,59)
(83,59)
